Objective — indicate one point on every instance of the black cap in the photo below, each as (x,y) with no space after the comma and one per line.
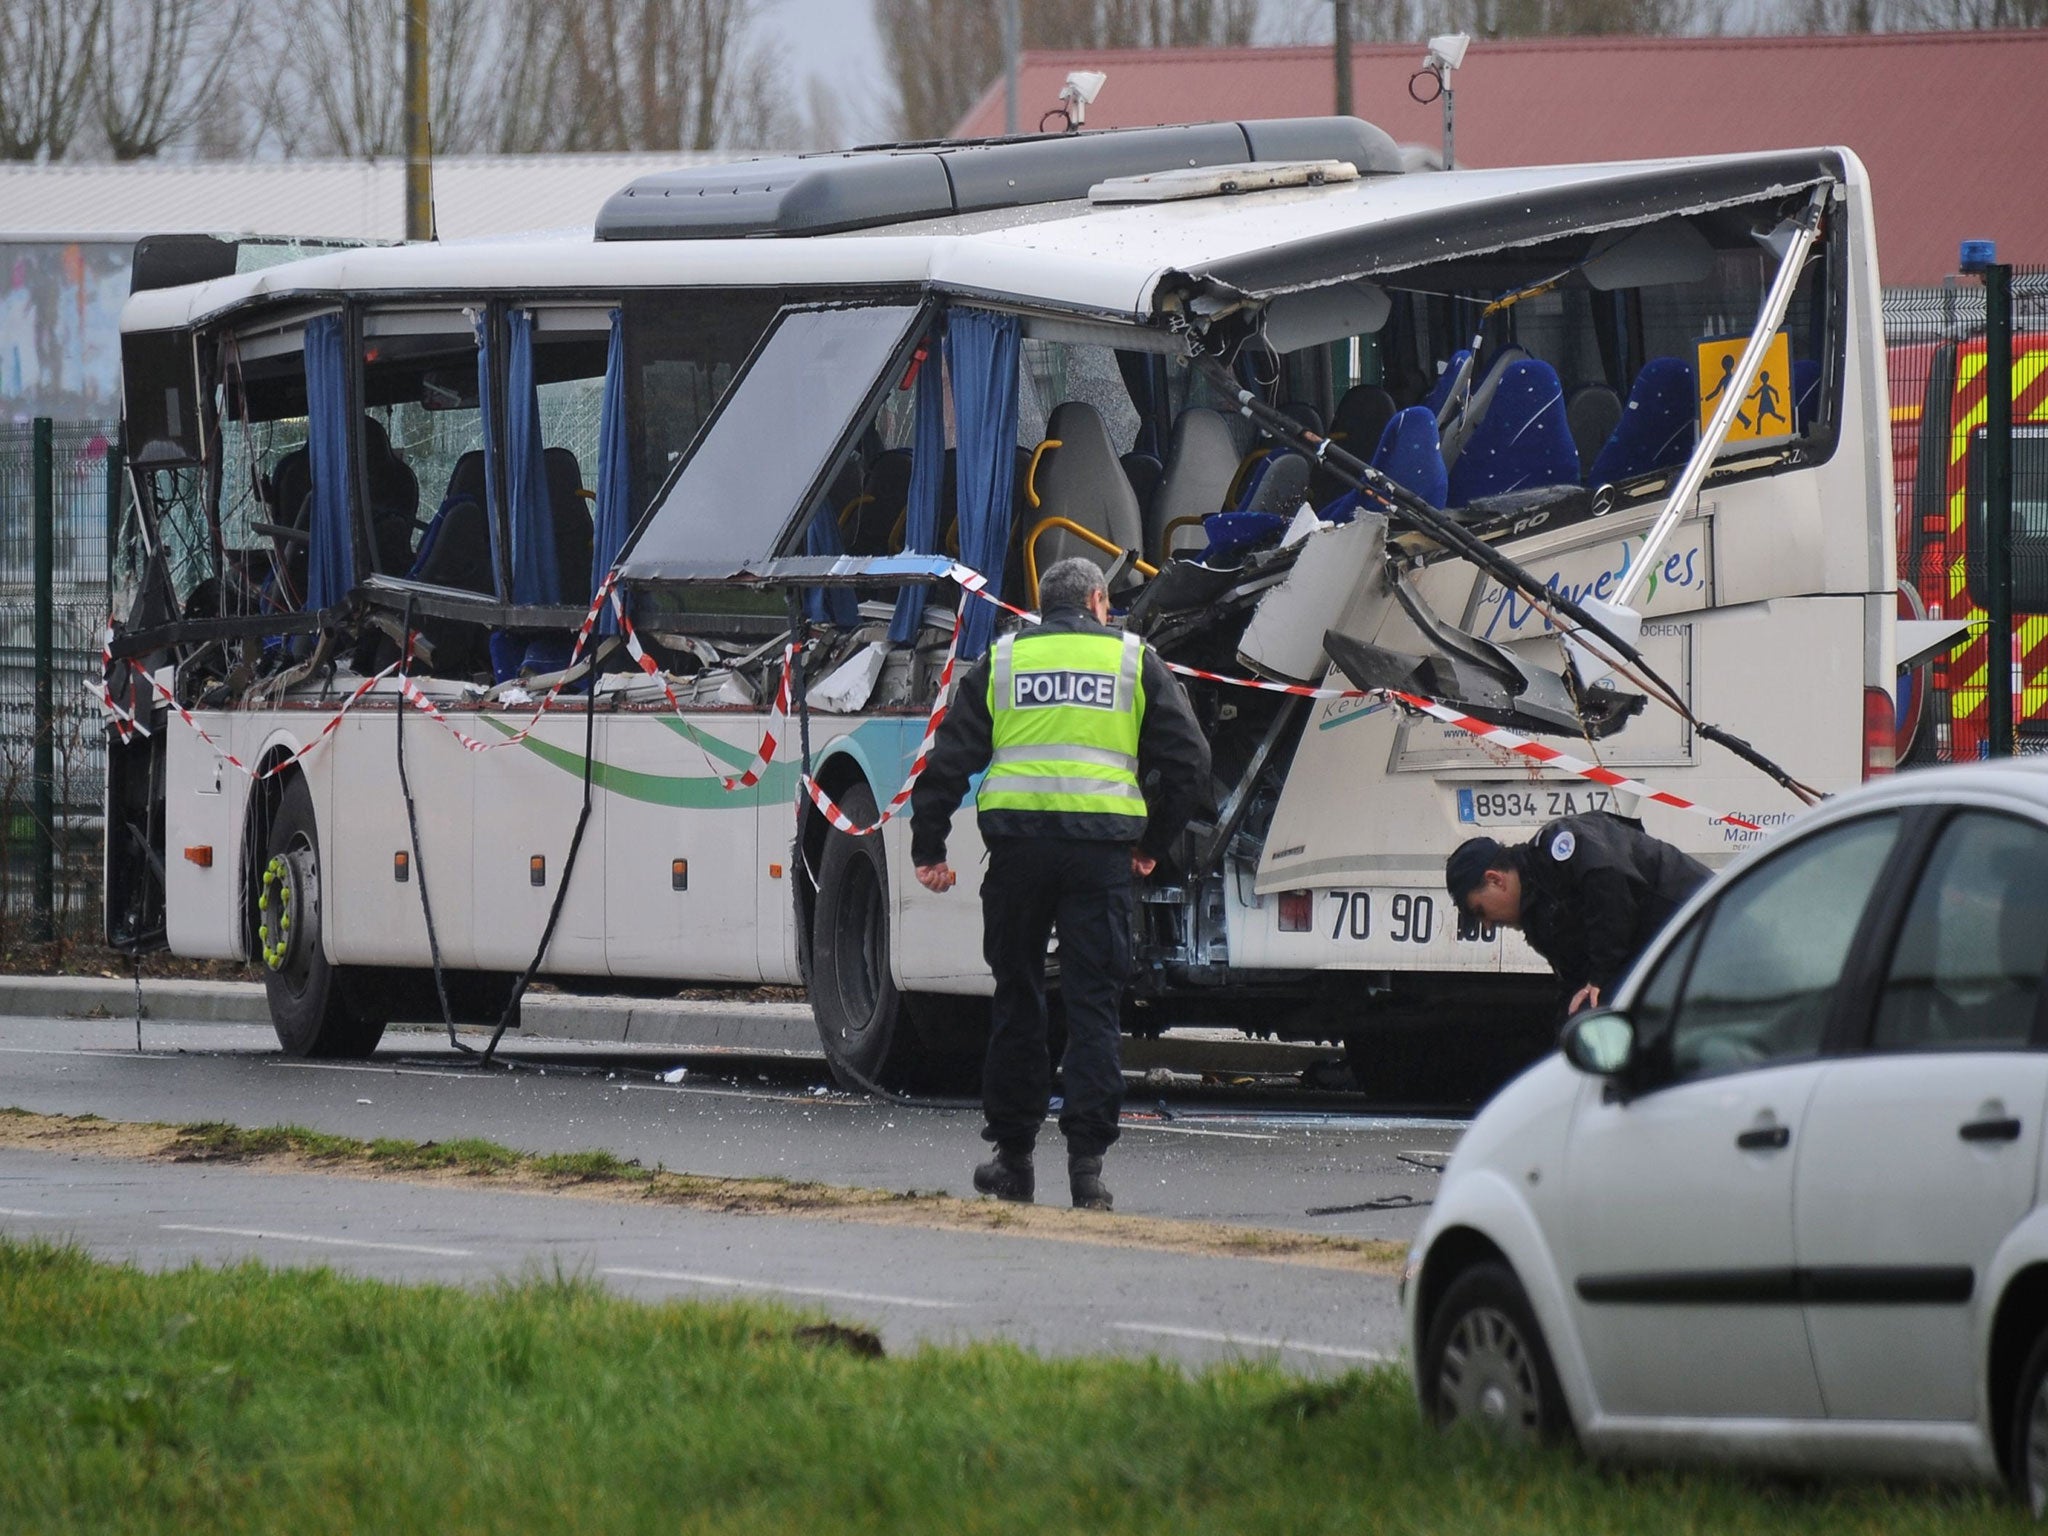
(1465,870)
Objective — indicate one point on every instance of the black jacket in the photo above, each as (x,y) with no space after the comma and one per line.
(1173,764)
(1595,890)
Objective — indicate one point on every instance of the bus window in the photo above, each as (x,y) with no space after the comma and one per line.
(265,486)
(683,351)
(422,448)
(569,348)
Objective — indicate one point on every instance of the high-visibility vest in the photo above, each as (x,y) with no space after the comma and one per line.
(1065,710)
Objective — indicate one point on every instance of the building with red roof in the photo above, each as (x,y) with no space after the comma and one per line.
(1950,124)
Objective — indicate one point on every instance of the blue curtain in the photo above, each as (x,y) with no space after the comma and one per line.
(487,414)
(828,605)
(927,469)
(612,519)
(534,576)
(331,562)
(981,355)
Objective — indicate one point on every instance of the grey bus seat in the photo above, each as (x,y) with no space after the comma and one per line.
(1282,488)
(1594,411)
(571,513)
(868,525)
(1356,426)
(394,499)
(1144,472)
(1083,481)
(1200,462)
(465,485)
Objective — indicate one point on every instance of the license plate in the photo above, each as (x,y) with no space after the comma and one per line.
(1527,805)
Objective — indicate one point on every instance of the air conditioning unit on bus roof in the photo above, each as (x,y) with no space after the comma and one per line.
(891,184)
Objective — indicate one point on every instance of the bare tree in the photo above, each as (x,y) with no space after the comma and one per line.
(943,53)
(45,54)
(1918,15)
(156,68)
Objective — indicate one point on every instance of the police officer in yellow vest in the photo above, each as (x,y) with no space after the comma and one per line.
(1095,764)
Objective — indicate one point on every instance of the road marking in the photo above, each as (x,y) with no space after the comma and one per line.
(1190,1130)
(463,1076)
(1255,1341)
(40,1215)
(325,1242)
(734,1283)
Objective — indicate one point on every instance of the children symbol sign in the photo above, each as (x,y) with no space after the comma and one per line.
(1766,412)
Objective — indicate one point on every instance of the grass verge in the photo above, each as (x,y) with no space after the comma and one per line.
(603,1176)
(249,1399)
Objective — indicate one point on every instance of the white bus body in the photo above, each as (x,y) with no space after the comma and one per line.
(1310,906)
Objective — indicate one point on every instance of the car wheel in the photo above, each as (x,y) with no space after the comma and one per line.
(868,1037)
(1485,1363)
(311,1005)
(2030,1432)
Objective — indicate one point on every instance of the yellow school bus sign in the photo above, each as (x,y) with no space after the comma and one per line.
(1766,414)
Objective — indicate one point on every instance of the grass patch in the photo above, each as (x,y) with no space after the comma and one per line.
(250,1399)
(605,1176)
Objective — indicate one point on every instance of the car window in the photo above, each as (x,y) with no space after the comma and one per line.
(1766,960)
(1966,971)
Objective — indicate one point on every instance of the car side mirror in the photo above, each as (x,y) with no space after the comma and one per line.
(1599,1042)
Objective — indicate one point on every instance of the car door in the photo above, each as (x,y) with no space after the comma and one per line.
(1921,1151)
(1679,1178)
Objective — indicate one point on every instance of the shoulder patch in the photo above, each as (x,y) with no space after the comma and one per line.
(1561,846)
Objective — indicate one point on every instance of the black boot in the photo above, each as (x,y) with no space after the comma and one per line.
(1008,1175)
(1084,1174)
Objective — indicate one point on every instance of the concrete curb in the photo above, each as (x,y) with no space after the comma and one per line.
(699,1023)
(778,1027)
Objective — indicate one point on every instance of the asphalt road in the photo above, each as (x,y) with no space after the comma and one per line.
(1190,1155)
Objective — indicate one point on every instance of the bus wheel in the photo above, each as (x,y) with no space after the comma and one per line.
(310,1005)
(867,1033)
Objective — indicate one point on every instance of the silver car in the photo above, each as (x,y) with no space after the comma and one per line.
(1781,1204)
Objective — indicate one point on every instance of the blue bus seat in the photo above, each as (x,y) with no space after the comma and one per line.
(1658,425)
(1524,439)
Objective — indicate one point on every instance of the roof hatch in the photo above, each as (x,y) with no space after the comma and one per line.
(861,188)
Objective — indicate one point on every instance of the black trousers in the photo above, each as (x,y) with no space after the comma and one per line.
(1085,887)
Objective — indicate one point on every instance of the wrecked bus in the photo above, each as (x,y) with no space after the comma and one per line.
(576,607)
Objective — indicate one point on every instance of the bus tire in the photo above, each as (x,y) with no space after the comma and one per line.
(311,1003)
(869,1039)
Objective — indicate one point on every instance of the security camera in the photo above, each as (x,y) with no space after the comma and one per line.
(1446,52)
(1082,87)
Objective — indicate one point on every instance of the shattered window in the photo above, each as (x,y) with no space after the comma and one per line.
(1050,373)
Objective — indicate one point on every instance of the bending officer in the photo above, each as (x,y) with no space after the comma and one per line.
(1588,892)
(1071,719)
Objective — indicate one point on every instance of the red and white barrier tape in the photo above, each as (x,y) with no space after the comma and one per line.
(124,720)
(1498,736)
(969,580)
(1550,757)
(235,762)
(839,818)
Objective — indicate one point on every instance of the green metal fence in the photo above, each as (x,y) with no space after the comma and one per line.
(60,488)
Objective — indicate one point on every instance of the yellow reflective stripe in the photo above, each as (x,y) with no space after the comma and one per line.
(1064,752)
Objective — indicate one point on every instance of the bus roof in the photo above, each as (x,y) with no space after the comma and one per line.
(1071,256)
